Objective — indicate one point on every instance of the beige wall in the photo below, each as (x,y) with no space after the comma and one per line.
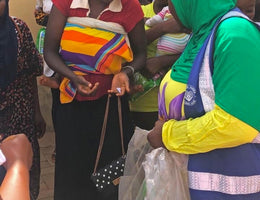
(24,9)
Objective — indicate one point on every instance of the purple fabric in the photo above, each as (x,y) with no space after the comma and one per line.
(77,58)
(92,61)
(161,103)
(105,48)
(174,107)
(82,68)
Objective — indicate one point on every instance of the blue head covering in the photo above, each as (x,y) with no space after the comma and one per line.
(8,49)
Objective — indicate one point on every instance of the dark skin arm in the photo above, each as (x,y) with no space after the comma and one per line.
(156,64)
(155,135)
(54,32)
(138,44)
(169,26)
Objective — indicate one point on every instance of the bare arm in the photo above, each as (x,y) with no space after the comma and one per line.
(53,35)
(18,152)
(156,64)
(169,26)
(138,44)
(16,177)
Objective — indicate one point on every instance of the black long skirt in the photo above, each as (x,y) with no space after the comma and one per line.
(78,127)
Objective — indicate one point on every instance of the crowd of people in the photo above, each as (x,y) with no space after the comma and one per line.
(200,59)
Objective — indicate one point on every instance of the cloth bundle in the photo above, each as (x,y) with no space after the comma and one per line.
(91,46)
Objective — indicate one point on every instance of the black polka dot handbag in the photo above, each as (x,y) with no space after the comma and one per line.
(107,178)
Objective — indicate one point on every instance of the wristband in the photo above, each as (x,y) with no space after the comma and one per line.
(129,67)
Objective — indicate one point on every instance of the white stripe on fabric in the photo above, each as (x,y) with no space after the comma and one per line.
(205,78)
(206,86)
(232,185)
(256,140)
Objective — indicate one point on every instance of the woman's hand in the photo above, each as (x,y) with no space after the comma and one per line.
(153,66)
(84,87)
(120,84)
(155,136)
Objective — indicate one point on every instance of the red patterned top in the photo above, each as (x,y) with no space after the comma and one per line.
(128,17)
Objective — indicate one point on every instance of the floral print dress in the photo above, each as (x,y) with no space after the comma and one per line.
(17,101)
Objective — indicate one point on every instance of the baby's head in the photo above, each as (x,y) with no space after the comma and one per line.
(247,7)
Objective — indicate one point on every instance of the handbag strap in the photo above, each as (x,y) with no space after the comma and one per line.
(103,131)
(120,124)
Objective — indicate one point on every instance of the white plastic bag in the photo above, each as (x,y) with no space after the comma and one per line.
(132,185)
(166,175)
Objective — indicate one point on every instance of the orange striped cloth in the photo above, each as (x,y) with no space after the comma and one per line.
(92,46)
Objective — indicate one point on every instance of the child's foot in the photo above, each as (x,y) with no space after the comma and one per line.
(49,82)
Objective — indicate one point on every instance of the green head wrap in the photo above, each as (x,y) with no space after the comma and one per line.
(199,16)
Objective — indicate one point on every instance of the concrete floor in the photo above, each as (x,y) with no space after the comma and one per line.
(47,166)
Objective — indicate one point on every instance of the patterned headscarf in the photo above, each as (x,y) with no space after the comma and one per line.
(8,49)
(199,16)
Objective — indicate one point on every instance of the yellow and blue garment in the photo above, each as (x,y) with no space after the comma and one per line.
(223,148)
(207,177)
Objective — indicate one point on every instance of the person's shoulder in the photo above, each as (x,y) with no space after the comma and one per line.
(131,3)
(236,26)
(19,23)
(63,6)
(63,3)
(236,34)
(131,8)
(17,20)
(24,31)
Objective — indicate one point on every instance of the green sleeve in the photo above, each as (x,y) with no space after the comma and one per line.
(237,70)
